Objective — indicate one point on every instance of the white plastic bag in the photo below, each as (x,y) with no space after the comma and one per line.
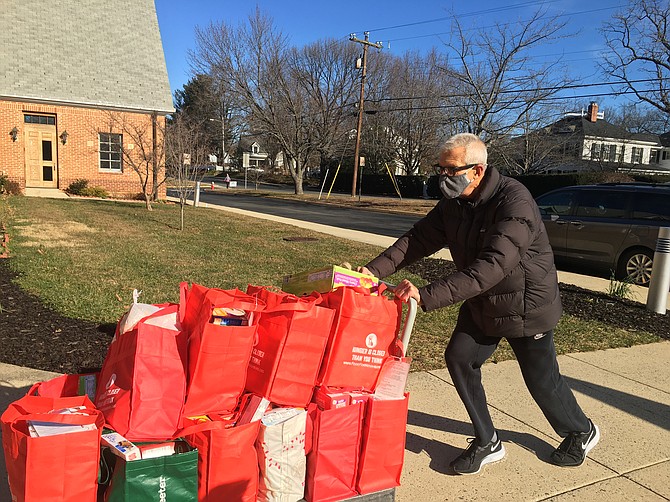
(136,312)
(167,321)
(281,456)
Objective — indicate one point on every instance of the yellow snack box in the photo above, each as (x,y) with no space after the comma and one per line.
(327,279)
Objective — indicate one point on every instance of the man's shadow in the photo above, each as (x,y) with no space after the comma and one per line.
(441,454)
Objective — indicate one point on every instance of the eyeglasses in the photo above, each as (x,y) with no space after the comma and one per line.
(450,171)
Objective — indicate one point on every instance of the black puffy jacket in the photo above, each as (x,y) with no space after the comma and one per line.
(499,245)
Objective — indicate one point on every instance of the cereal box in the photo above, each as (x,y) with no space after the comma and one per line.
(326,279)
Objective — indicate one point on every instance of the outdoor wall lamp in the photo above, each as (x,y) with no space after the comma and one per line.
(14,133)
(63,137)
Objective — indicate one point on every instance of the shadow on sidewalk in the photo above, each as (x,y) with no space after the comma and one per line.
(441,453)
(644,409)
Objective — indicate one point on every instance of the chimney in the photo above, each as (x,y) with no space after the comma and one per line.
(592,113)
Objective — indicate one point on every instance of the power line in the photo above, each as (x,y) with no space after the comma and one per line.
(513,91)
(567,14)
(469,14)
(504,103)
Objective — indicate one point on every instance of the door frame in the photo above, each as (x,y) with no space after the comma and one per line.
(34,161)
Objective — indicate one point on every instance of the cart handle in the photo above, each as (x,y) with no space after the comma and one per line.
(409,324)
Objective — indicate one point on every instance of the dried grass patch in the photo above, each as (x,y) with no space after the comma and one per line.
(66,234)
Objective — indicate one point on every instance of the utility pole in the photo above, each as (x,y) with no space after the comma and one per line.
(366,43)
(223,139)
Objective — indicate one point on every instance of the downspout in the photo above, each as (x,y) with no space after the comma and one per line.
(154,146)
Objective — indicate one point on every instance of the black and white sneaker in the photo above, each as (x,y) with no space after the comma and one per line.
(474,457)
(574,448)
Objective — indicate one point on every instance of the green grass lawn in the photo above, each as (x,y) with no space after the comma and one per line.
(84,258)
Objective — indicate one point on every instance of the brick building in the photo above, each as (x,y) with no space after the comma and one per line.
(84,93)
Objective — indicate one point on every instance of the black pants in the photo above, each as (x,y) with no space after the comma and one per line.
(468,349)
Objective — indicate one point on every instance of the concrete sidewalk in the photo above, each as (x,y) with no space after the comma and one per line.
(626,392)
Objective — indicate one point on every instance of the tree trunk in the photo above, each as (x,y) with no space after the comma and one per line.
(147,201)
(298,185)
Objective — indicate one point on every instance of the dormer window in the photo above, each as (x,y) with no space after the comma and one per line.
(255,148)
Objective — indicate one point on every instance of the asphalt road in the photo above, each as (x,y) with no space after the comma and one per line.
(392,225)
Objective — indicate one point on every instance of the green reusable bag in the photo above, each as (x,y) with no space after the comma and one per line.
(173,477)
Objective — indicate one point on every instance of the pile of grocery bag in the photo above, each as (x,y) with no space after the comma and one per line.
(226,396)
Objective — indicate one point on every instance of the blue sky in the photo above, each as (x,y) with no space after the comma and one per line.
(400,25)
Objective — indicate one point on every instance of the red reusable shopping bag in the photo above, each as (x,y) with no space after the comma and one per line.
(56,468)
(142,383)
(363,334)
(66,386)
(292,336)
(383,445)
(227,459)
(333,460)
(218,355)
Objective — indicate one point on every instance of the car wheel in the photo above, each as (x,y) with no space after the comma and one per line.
(636,265)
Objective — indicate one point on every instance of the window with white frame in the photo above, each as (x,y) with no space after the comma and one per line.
(595,151)
(110,152)
(255,148)
(612,153)
(636,155)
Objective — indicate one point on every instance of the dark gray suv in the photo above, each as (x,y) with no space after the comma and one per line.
(609,227)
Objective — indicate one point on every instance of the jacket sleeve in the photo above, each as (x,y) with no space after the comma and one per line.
(425,238)
(505,244)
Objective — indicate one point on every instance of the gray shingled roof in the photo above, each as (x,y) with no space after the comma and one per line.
(600,129)
(104,53)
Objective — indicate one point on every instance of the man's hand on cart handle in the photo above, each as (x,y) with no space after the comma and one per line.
(363,270)
(406,290)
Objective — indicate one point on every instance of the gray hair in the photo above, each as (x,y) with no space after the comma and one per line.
(475,149)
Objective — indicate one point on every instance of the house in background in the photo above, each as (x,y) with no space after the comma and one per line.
(664,163)
(253,155)
(587,140)
(75,78)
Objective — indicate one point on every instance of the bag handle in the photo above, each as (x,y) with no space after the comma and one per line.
(69,419)
(297,303)
(165,309)
(64,418)
(208,425)
(379,289)
(236,299)
(183,295)
(30,404)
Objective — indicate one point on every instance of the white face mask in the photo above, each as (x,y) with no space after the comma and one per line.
(453,186)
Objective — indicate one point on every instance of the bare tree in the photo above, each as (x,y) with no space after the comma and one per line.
(412,112)
(294,96)
(186,152)
(542,144)
(639,46)
(639,118)
(326,72)
(142,149)
(496,83)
